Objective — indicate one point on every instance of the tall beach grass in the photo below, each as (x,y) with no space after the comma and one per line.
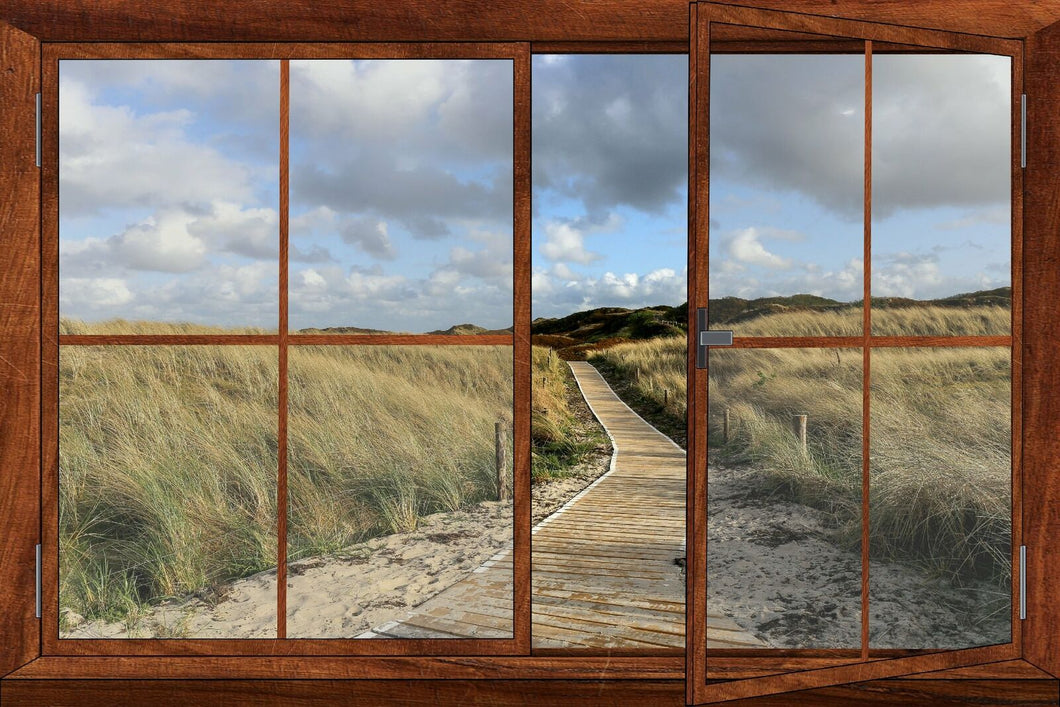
(940,434)
(168,458)
(563,432)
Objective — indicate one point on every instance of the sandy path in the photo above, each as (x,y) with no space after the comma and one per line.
(775,567)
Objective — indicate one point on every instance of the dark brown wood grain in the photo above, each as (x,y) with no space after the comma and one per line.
(383,667)
(792,20)
(521,236)
(1041,334)
(866,353)
(1016,381)
(471,20)
(520,341)
(698,296)
(807,676)
(836,342)
(401,339)
(1002,670)
(307,647)
(20,366)
(292,339)
(614,25)
(49,275)
(917,692)
(271,50)
(497,693)
(283,326)
(546,47)
(751,666)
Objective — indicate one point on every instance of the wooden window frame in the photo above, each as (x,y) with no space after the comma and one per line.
(282,341)
(28,27)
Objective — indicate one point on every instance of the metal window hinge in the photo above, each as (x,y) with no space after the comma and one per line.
(1023,130)
(38,580)
(1023,582)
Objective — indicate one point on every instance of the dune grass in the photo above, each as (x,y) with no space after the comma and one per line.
(137,327)
(886,321)
(168,458)
(563,432)
(940,442)
(381,435)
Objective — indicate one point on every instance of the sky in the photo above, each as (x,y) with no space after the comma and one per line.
(401,174)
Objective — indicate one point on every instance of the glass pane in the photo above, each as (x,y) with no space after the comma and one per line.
(168,196)
(401,196)
(941,202)
(784,498)
(396,525)
(610,257)
(787,136)
(167,492)
(940,500)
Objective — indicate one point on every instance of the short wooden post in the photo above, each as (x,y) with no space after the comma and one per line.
(502,463)
(799,425)
(725,427)
(666,397)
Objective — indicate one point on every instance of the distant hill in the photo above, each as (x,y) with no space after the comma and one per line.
(343,330)
(456,330)
(576,333)
(468,329)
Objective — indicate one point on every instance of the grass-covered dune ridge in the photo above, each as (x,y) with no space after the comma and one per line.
(168,457)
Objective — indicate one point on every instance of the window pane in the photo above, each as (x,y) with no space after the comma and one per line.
(784,520)
(941,202)
(393,484)
(401,195)
(940,500)
(610,257)
(168,195)
(167,492)
(787,144)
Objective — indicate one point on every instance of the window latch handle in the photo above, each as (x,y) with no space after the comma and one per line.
(706,338)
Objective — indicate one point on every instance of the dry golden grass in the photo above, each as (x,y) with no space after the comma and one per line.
(890,321)
(124,326)
(940,441)
(560,438)
(168,457)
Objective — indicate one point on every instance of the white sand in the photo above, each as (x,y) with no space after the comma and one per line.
(338,596)
(775,568)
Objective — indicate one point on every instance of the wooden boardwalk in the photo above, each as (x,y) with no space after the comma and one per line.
(603,565)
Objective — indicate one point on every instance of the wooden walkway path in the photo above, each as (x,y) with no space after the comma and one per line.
(603,565)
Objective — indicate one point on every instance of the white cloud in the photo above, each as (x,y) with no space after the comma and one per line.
(744,246)
(558,293)
(252,232)
(177,240)
(566,243)
(96,293)
(370,235)
(112,158)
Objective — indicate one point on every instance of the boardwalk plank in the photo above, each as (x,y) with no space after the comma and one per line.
(604,572)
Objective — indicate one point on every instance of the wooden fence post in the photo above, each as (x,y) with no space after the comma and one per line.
(799,424)
(725,427)
(666,397)
(502,463)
